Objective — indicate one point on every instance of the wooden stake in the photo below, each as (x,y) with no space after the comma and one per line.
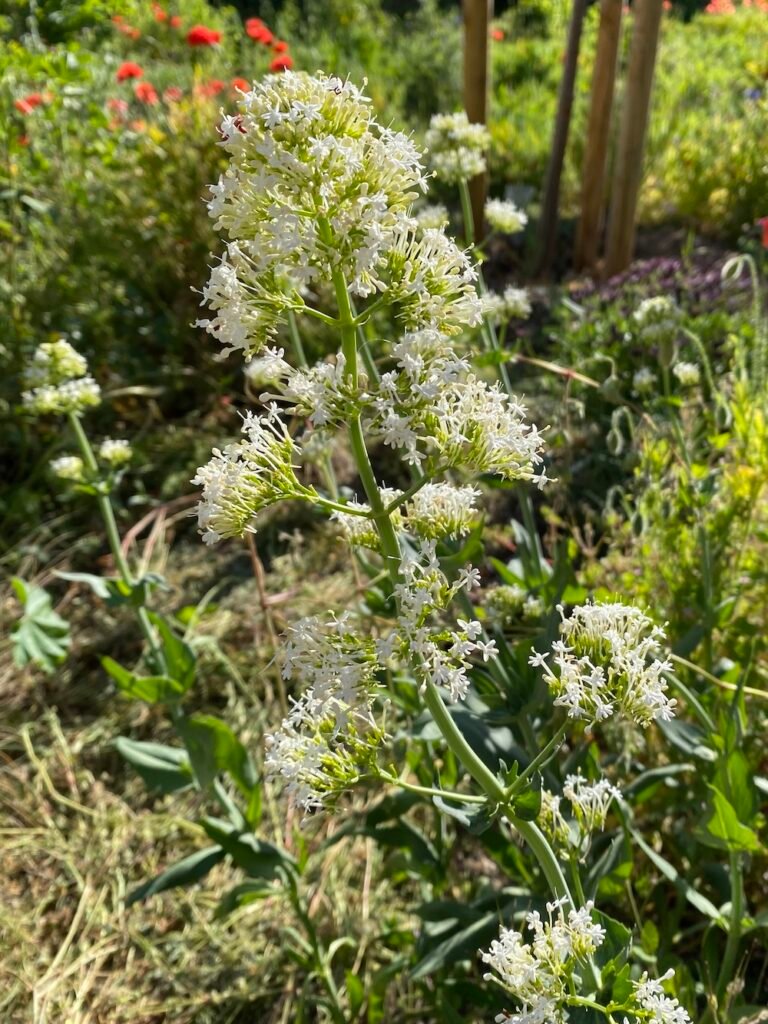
(628,171)
(551,198)
(598,134)
(477,26)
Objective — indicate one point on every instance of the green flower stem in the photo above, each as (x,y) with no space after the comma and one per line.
(734,927)
(113,534)
(466,212)
(446,794)
(337,506)
(543,757)
(298,345)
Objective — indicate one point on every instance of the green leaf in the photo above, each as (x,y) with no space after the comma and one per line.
(114,590)
(241,895)
(258,858)
(734,779)
(185,872)
(671,873)
(40,636)
(163,769)
(152,689)
(649,937)
(355,992)
(179,657)
(214,748)
(615,946)
(528,804)
(475,818)
(725,828)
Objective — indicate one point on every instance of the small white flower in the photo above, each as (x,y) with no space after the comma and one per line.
(644,381)
(68,467)
(433,215)
(688,374)
(115,453)
(590,801)
(456,147)
(608,664)
(504,216)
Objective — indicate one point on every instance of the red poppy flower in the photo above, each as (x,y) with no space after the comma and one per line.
(763,222)
(175,21)
(257,30)
(199,35)
(212,88)
(497,34)
(280,46)
(128,69)
(159,13)
(173,94)
(145,93)
(282,63)
(23,140)
(28,103)
(242,84)
(128,30)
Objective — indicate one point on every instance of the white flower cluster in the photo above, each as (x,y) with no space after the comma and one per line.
(656,1007)
(537,973)
(115,453)
(512,304)
(644,381)
(606,663)
(456,147)
(329,738)
(432,513)
(688,374)
(266,368)
(430,407)
(247,476)
(69,468)
(658,319)
(433,215)
(57,381)
(316,187)
(508,603)
(504,216)
(590,801)
(437,654)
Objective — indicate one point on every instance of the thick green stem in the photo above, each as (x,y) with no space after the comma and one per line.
(466,213)
(734,927)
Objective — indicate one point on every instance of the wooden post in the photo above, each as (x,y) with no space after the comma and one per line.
(551,198)
(598,134)
(477,26)
(628,170)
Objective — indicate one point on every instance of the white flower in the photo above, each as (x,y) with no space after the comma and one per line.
(442,510)
(329,738)
(53,363)
(267,368)
(658,319)
(537,973)
(644,381)
(56,381)
(504,216)
(687,373)
(590,801)
(456,147)
(314,186)
(433,215)
(476,426)
(115,453)
(438,655)
(659,1008)
(68,467)
(58,399)
(514,304)
(246,477)
(606,663)
(359,528)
